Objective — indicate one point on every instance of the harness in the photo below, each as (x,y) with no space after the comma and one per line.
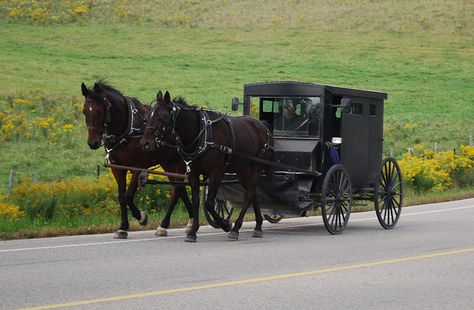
(203,140)
(133,130)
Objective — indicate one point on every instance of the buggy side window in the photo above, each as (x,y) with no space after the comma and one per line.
(357,108)
(373,110)
(267,106)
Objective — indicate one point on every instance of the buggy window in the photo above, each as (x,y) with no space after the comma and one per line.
(291,116)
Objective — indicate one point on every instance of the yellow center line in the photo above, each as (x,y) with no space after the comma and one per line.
(251,281)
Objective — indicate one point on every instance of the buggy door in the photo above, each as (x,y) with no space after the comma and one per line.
(362,141)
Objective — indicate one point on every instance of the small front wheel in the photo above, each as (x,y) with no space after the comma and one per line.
(336,199)
(224,212)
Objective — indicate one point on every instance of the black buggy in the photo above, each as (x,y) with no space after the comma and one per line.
(328,154)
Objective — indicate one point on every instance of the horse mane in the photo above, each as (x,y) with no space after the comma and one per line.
(104,86)
(181,102)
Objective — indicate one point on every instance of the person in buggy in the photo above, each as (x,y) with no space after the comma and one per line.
(290,120)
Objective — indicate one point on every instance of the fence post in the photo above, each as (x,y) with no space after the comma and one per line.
(436,147)
(11,180)
(98,171)
(35,178)
(470,140)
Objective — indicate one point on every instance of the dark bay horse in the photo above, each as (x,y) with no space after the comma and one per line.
(118,122)
(212,144)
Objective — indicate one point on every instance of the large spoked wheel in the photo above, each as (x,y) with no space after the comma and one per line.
(273,217)
(336,199)
(388,193)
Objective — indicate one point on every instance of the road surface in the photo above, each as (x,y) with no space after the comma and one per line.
(426,262)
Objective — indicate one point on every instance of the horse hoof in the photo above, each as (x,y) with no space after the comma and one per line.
(190,238)
(188,227)
(227,226)
(161,232)
(143,218)
(233,235)
(121,234)
(257,234)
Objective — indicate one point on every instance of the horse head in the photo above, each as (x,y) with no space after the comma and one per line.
(94,110)
(160,122)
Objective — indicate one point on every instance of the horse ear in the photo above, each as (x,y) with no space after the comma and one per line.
(159,96)
(84,89)
(97,88)
(167,98)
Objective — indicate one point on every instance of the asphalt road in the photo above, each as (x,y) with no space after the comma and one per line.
(426,262)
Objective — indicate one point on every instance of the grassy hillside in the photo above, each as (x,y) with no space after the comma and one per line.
(420,52)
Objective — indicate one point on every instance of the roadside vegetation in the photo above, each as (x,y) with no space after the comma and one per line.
(420,52)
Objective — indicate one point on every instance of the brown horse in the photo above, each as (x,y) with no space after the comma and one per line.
(212,144)
(119,122)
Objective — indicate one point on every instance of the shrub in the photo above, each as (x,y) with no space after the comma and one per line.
(10,211)
(31,117)
(426,170)
(74,197)
(46,11)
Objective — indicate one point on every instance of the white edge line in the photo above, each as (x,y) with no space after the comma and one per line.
(212,233)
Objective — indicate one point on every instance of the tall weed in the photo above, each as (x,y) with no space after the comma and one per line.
(425,170)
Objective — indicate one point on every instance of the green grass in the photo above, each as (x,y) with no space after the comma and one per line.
(428,77)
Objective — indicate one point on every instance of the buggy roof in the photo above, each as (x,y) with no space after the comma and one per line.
(291,88)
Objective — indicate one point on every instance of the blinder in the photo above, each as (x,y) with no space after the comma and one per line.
(169,120)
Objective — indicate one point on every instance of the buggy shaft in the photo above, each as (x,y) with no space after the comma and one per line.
(168,174)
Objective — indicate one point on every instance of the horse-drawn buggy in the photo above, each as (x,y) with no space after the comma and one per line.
(328,153)
(297,147)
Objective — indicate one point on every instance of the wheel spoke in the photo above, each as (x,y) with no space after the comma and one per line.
(344,206)
(396,185)
(332,218)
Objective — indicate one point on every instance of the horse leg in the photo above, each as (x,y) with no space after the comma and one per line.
(120,178)
(140,216)
(183,194)
(255,174)
(248,179)
(165,222)
(257,232)
(194,180)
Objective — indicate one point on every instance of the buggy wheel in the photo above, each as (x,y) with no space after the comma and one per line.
(336,199)
(388,193)
(273,217)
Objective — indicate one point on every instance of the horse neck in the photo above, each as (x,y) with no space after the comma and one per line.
(118,115)
(188,126)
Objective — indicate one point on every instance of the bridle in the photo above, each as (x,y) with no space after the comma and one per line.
(105,120)
(169,123)
(132,130)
